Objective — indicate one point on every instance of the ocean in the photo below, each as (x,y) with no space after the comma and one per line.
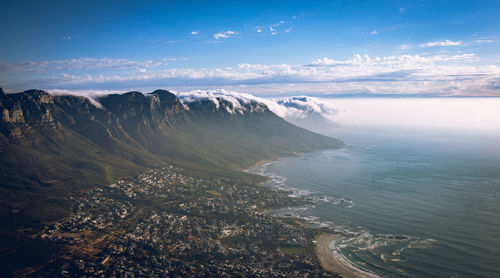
(409,202)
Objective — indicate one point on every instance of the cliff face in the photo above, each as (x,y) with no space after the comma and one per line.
(25,112)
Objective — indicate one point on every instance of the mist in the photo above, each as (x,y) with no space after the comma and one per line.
(450,113)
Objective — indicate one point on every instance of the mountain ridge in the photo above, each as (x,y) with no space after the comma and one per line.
(56,147)
(53,149)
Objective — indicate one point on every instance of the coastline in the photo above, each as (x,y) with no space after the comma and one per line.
(260,163)
(327,259)
(274,159)
(331,263)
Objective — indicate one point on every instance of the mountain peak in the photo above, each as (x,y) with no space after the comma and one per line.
(39,96)
(132,96)
(165,96)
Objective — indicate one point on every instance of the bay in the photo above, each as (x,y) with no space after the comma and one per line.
(410,202)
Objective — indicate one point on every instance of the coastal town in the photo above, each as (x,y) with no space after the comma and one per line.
(163,223)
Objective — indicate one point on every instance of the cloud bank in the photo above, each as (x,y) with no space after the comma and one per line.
(319,114)
(303,106)
(296,110)
(462,74)
(232,102)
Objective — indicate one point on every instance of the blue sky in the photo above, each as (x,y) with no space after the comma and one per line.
(322,48)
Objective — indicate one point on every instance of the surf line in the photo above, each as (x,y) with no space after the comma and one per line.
(349,264)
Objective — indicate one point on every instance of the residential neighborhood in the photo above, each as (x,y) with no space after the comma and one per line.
(164,223)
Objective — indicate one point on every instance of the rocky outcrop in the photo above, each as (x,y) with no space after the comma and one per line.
(15,115)
(25,112)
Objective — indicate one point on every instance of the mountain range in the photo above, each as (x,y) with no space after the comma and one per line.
(55,147)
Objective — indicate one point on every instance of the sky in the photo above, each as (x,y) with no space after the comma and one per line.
(265,48)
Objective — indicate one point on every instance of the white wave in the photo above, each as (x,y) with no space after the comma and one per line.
(347,263)
(279,182)
(324,225)
(416,244)
(299,192)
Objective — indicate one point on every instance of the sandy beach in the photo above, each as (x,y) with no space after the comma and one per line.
(330,263)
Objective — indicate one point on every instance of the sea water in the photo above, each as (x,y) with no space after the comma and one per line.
(408,202)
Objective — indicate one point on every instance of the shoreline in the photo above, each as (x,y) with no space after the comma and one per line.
(260,163)
(329,262)
(327,259)
(274,159)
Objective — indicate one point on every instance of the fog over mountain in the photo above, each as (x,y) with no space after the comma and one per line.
(303,111)
(308,112)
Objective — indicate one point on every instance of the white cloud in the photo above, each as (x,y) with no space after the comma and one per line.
(232,102)
(224,34)
(484,41)
(92,95)
(67,38)
(303,106)
(460,74)
(78,64)
(404,61)
(406,74)
(441,43)
(278,27)
(194,33)
(288,108)
(374,32)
